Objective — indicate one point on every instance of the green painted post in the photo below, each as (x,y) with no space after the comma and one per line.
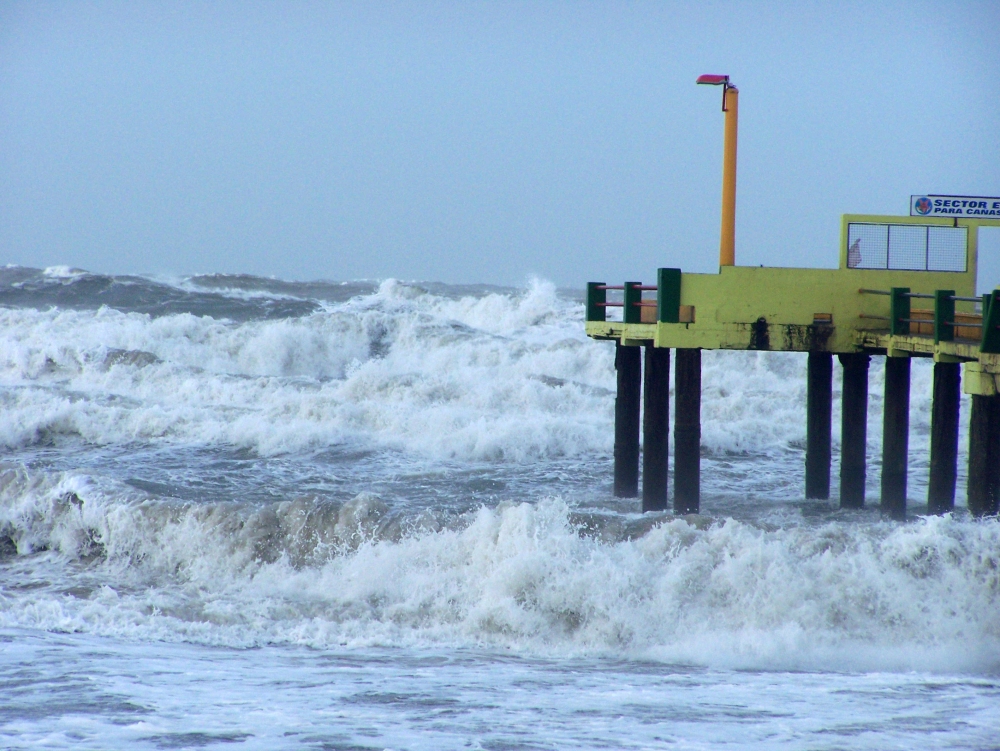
(853,429)
(687,431)
(655,428)
(819,396)
(668,295)
(899,311)
(895,436)
(595,301)
(944,437)
(984,456)
(991,323)
(633,313)
(628,363)
(944,315)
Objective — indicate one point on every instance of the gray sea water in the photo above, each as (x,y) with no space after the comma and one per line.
(251,513)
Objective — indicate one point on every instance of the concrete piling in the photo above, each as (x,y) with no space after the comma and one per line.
(819,394)
(895,436)
(944,437)
(628,363)
(655,428)
(984,456)
(853,429)
(687,431)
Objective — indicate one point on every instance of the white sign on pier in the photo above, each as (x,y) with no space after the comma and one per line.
(955,206)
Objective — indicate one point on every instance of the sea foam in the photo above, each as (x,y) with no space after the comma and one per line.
(522,576)
(503,379)
(497,377)
(399,367)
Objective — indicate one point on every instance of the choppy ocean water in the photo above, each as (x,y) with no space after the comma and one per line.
(248,513)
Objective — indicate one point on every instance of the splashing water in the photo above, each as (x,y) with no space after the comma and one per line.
(413,481)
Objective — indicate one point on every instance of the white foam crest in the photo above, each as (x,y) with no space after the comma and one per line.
(539,311)
(63,272)
(385,368)
(752,401)
(922,595)
(502,376)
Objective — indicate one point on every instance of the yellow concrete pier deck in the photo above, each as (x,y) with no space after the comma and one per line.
(905,287)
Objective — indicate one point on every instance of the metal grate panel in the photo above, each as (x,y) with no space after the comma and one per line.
(906,247)
(946,248)
(867,246)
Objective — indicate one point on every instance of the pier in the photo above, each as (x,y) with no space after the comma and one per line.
(856,314)
(905,288)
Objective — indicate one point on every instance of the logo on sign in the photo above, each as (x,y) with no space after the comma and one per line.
(923,205)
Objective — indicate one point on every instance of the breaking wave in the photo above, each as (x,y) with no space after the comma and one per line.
(94,370)
(529,577)
(492,376)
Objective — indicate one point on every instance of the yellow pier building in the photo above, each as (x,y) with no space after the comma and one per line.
(905,288)
(842,310)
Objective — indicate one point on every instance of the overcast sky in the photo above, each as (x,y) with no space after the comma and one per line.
(479,142)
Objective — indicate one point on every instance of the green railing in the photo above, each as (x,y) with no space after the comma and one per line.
(667,303)
(944,324)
